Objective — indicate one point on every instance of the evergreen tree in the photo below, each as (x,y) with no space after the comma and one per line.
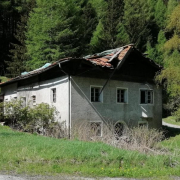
(18,52)
(59,29)
(109,27)
(160,14)
(137,21)
(87,23)
(9,16)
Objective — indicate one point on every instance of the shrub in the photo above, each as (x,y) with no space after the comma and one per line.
(141,139)
(14,113)
(37,119)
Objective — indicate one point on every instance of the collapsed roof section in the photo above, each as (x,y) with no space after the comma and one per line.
(106,59)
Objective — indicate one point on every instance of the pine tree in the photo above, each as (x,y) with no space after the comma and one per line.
(9,16)
(160,14)
(88,20)
(137,21)
(18,52)
(55,31)
(109,27)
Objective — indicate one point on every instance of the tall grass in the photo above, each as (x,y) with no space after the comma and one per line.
(27,153)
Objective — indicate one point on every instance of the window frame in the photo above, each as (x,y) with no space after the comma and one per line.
(125,95)
(101,96)
(101,125)
(146,103)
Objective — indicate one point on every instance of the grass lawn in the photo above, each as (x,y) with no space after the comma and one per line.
(171,120)
(32,154)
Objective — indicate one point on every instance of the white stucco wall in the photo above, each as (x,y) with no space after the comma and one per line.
(109,110)
(43,93)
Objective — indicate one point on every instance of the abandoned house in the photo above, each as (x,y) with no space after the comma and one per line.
(114,86)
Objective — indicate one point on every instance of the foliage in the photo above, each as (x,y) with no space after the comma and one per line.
(26,118)
(141,13)
(14,112)
(42,116)
(18,53)
(65,31)
(110,25)
(160,14)
(3,78)
(35,32)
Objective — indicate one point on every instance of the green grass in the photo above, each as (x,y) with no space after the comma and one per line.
(171,120)
(32,154)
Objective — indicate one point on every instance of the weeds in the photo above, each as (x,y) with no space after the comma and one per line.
(140,139)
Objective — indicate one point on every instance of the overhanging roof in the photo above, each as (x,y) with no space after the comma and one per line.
(103,60)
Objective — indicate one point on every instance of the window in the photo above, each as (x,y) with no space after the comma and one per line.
(23,99)
(146,96)
(96,129)
(95,94)
(142,124)
(118,129)
(54,95)
(121,95)
(34,100)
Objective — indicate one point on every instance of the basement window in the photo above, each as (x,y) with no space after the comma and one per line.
(96,128)
(146,96)
(95,94)
(121,95)
(143,124)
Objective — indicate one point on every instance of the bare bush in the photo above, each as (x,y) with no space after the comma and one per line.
(141,139)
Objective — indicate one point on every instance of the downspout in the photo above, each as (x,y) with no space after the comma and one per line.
(69,101)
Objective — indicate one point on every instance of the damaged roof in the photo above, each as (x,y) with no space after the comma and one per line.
(103,59)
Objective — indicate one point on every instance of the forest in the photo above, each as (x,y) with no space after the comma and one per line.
(33,32)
